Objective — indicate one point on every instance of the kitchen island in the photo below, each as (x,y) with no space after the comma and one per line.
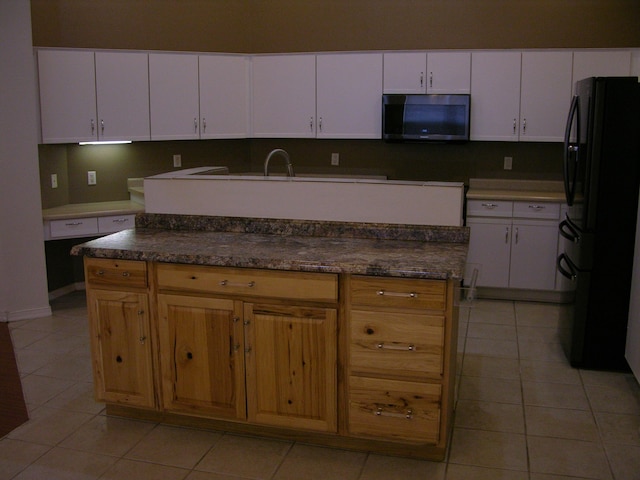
(334,333)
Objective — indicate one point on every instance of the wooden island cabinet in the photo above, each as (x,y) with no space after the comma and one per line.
(339,358)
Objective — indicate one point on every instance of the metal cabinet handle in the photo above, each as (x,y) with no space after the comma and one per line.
(227,283)
(408,348)
(397,294)
(102,126)
(72,224)
(524,125)
(204,124)
(195,124)
(93,126)
(380,412)
(490,206)
(506,235)
(515,125)
(320,123)
(311,124)
(537,207)
(430,79)
(516,235)
(421,79)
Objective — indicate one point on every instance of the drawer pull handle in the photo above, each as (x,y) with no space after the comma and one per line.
(408,348)
(397,294)
(120,220)
(126,274)
(100,273)
(537,207)
(490,206)
(380,412)
(227,283)
(73,224)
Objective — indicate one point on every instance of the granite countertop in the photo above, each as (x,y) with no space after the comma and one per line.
(523,190)
(296,245)
(92,209)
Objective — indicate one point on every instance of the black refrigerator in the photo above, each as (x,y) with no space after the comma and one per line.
(602,179)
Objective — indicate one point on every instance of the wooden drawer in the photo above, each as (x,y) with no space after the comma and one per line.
(394,410)
(396,344)
(318,287)
(74,227)
(107,271)
(398,292)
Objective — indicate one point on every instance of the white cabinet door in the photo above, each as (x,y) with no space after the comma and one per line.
(67,96)
(284,96)
(405,72)
(224,96)
(448,72)
(601,63)
(534,248)
(545,95)
(495,95)
(173,93)
(122,89)
(490,249)
(349,95)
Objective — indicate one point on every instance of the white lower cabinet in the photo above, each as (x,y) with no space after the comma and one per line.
(513,244)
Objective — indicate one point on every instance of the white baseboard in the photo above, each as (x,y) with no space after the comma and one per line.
(25,314)
(72,287)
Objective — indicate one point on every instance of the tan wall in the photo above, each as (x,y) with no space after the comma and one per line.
(256,26)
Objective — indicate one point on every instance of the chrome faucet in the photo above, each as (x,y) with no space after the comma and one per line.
(286,158)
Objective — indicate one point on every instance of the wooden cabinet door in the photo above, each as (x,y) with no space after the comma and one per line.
(67,96)
(224,96)
(448,72)
(349,95)
(495,96)
(173,96)
(201,345)
(284,96)
(534,248)
(291,366)
(545,95)
(490,249)
(405,72)
(122,89)
(121,345)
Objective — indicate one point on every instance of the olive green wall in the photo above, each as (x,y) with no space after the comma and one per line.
(260,26)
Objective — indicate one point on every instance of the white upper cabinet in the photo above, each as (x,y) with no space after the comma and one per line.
(520,96)
(284,96)
(90,97)
(601,63)
(349,95)
(495,95)
(122,87)
(545,95)
(173,93)
(224,96)
(405,72)
(67,96)
(448,72)
(433,72)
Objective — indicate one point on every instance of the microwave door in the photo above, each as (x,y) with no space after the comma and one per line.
(571,148)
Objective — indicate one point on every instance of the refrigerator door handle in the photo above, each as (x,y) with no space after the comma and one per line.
(571,272)
(569,231)
(571,150)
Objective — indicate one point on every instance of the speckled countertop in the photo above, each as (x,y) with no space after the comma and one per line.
(296,245)
(523,190)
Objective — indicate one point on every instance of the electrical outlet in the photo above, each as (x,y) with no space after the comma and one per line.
(91,177)
(335,159)
(177,160)
(508,163)
(54,180)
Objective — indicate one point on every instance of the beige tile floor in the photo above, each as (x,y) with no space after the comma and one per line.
(522,414)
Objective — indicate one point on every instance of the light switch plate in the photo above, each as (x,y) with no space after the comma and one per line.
(91,177)
(54,180)
(508,163)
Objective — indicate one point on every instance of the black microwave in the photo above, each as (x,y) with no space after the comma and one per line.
(425,118)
